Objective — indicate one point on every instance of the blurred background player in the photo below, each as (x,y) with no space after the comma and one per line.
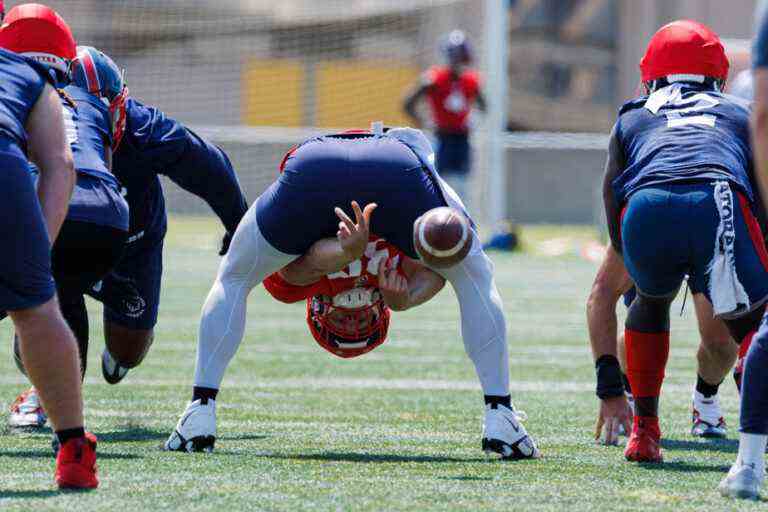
(451,91)
(33,125)
(746,476)
(396,171)
(679,200)
(93,235)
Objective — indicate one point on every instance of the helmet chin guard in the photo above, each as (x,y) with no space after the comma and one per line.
(350,323)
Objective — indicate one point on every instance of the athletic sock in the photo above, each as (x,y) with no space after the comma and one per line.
(647,355)
(70,433)
(752,451)
(705,388)
(494,400)
(204,394)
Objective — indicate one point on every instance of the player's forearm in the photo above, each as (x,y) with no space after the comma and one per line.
(326,256)
(54,189)
(409,105)
(422,286)
(204,170)
(602,323)
(611,281)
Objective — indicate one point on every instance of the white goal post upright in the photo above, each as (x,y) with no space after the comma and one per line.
(496,90)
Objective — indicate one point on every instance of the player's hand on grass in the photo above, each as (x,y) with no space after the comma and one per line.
(614,413)
(393,285)
(353,236)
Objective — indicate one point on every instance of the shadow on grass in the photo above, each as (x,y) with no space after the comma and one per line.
(368,457)
(20,495)
(465,478)
(242,437)
(709,445)
(686,467)
(48,454)
(131,434)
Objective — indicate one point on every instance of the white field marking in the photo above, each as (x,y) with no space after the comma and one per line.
(325,383)
(307,346)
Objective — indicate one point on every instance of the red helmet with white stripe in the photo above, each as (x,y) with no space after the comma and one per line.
(37,31)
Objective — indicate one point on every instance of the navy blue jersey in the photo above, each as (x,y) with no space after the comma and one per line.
(21,82)
(157,144)
(695,135)
(89,130)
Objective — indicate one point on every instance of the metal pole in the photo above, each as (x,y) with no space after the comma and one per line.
(496,80)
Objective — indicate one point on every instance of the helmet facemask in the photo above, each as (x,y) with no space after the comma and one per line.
(350,323)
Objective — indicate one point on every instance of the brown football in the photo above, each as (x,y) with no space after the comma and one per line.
(442,237)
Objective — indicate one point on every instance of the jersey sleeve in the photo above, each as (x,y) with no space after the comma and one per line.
(289,293)
(190,161)
(473,82)
(430,76)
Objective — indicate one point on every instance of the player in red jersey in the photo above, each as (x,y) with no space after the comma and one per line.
(349,300)
(451,91)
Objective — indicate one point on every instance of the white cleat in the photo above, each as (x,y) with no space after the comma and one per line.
(196,429)
(708,420)
(110,369)
(504,436)
(743,482)
(27,412)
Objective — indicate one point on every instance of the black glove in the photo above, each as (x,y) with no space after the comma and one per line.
(225,243)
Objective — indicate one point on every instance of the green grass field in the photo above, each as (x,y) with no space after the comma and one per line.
(398,429)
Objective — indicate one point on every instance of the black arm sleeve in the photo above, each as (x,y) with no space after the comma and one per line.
(614,165)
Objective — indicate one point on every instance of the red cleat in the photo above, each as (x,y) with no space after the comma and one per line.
(644,444)
(76,464)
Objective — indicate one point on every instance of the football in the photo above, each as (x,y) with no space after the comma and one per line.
(442,237)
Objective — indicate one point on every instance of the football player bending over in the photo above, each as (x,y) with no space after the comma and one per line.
(394,170)
(351,284)
(679,199)
(715,357)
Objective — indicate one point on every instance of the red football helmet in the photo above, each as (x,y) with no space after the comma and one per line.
(686,48)
(39,32)
(350,323)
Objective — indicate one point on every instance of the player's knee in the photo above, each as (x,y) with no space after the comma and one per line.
(127,346)
(715,336)
(649,314)
(38,316)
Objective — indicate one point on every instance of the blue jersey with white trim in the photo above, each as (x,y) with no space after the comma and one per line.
(156,144)
(21,82)
(692,134)
(89,130)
